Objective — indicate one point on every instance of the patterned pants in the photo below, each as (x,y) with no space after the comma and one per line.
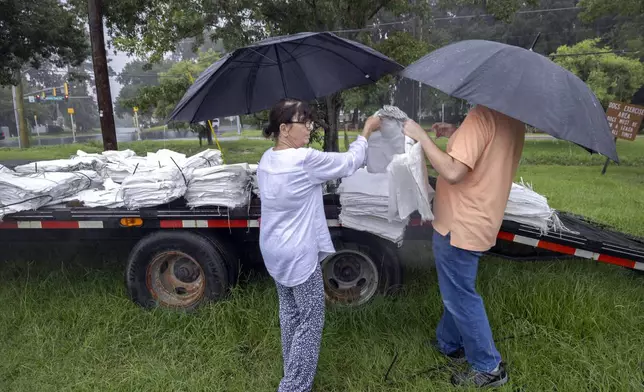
(301,321)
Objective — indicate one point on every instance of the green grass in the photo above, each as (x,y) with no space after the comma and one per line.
(570,325)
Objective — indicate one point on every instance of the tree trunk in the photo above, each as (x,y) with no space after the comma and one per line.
(355,119)
(23,131)
(332,112)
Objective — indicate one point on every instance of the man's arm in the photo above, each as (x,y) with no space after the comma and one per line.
(452,170)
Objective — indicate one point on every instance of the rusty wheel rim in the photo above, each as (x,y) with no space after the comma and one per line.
(350,278)
(175,279)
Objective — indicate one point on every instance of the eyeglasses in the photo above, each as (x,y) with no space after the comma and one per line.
(309,124)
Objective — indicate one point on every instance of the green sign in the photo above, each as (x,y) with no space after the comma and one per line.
(52,98)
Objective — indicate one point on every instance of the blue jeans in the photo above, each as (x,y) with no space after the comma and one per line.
(464,323)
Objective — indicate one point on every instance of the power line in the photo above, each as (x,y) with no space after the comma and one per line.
(516,13)
(375,26)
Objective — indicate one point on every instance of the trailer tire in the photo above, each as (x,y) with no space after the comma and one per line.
(176,270)
(357,273)
(230,256)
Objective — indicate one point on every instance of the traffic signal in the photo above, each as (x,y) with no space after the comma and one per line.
(66,97)
(38,98)
(66,89)
(54,91)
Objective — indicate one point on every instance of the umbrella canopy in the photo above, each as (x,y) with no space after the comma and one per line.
(521,84)
(302,66)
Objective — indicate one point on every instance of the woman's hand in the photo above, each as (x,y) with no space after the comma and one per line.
(443,129)
(370,126)
(415,131)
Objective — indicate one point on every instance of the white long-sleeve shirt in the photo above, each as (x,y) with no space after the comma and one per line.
(293,235)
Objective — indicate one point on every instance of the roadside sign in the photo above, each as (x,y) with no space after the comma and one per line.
(136,109)
(32,99)
(70,110)
(624,119)
(52,98)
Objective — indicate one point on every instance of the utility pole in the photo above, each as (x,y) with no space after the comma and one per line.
(101,77)
(19,109)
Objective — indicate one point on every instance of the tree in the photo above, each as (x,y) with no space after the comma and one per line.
(627,15)
(150,28)
(34,32)
(162,98)
(611,77)
(134,76)
(37,31)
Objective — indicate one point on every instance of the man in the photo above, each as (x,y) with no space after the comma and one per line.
(475,177)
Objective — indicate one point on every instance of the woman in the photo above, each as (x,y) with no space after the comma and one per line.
(294,237)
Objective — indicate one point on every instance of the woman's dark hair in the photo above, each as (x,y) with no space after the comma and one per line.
(285,112)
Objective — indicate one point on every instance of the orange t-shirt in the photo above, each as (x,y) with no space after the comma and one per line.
(490,144)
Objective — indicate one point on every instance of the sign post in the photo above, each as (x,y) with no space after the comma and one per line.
(625,120)
(71,117)
(136,122)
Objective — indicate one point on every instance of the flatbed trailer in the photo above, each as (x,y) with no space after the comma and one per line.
(183,257)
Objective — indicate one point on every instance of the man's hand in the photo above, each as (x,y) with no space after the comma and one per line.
(371,125)
(443,129)
(414,131)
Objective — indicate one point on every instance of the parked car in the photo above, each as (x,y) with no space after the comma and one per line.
(2,134)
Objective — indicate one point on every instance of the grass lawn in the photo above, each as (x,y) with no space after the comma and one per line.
(570,325)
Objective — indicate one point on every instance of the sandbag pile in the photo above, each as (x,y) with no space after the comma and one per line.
(108,195)
(32,191)
(153,188)
(527,207)
(364,198)
(63,165)
(225,186)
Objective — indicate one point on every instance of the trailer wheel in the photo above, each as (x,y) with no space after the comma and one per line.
(177,270)
(355,274)
(229,254)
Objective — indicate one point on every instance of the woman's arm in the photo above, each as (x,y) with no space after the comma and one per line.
(326,166)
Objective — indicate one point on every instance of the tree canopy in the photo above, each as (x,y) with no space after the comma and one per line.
(610,76)
(37,31)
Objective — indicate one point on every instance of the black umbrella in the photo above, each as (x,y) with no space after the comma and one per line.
(522,84)
(302,66)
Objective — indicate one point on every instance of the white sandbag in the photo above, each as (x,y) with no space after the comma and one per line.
(4,169)
(364,198)
(389,141)
(225,186)
(392,231)
(83,154)
(153,188)
(409,188)
(207,158)
(108,196)
(63,165)
(32,191)
(530,208)
(118,156)
(165,157)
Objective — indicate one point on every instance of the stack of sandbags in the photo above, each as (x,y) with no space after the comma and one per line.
(207,158)
(154,188)
(530,208)
(63,165)
(108,195)
(225,186)
(32,191)
(364,198)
